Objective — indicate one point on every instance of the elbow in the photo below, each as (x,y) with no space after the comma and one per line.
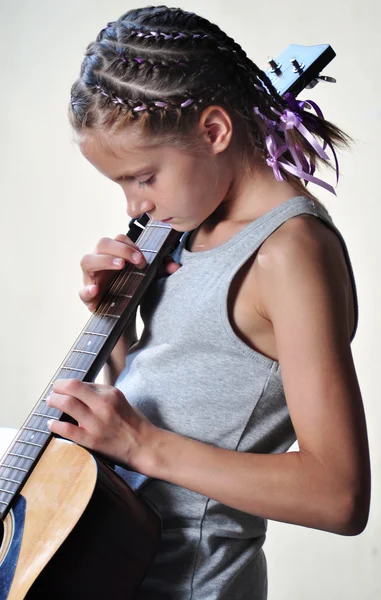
(351,512)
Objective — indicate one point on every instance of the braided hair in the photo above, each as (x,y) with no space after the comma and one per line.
(161,66)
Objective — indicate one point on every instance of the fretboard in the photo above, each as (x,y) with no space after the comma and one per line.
(85,359)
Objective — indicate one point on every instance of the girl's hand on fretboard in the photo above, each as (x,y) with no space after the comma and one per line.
(98,268)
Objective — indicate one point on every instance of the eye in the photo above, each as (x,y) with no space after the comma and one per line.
(149,181)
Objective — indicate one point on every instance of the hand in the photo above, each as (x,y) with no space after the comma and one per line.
(98,268)
(107,423)
(111,255)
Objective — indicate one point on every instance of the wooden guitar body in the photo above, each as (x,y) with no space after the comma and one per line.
(76,531)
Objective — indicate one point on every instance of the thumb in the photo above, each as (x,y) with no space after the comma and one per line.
(168,266)
(171,266)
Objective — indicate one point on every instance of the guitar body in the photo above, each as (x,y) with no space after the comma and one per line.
(76,531)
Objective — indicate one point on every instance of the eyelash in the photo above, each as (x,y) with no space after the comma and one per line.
(149,181)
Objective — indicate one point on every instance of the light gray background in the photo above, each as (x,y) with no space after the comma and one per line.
(55,206)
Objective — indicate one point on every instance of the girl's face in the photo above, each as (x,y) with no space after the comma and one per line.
(165,182)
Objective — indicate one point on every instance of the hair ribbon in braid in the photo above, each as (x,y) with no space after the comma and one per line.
(293,117)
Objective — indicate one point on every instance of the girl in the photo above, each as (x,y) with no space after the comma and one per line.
(246,340)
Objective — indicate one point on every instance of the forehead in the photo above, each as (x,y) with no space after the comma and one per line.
(118,153)
(113,145)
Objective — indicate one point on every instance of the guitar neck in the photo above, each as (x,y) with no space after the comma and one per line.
(87,355)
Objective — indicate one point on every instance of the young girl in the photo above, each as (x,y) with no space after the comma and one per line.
(246,340)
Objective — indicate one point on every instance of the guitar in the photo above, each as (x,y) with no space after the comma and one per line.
(71,528)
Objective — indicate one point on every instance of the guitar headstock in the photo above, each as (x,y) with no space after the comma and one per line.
(299,67)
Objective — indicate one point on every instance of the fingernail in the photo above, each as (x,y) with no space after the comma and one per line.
(118,261)
(136,257)
(49,423)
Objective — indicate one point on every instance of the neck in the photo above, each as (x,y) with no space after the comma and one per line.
(252,195)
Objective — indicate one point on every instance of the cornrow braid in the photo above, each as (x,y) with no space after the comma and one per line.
(161,67)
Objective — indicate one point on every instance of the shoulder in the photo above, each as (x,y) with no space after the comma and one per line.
(302,256)
(304,231)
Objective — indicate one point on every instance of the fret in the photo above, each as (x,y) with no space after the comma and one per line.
(30,451)
(7,491)
(148,250)
(34,429)
(47,411)
(89,341)
(38,414)
(13,467)
(85,352)
(99,324)
(10,480)
(29,443)
(79,362)
(138,273)
(20,456)
(108,315)
(96,333)
(124,295)
(125,284)
(73,369)
(157,225)
(5,503)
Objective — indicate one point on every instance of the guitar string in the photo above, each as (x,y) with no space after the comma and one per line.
(127,282)
(95,323)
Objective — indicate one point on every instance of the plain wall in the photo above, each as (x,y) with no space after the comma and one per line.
(55,206)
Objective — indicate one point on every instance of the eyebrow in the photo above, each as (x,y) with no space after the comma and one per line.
(143,171)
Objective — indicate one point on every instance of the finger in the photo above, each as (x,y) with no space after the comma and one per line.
(168,266)
(94,265)
(89,293)
(86,393)
(172,267)
(68,431)
(70,405)
(121,247)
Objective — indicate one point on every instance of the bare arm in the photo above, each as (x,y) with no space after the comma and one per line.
(116,361)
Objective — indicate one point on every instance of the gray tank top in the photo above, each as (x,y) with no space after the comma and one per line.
(190,373)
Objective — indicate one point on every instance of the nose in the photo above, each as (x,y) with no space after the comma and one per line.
(136,207)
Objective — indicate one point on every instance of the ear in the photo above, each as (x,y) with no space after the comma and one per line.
(216,128)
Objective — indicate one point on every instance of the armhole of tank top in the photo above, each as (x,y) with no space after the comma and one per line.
(320,212)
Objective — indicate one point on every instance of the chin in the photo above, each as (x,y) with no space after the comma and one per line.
(183,227)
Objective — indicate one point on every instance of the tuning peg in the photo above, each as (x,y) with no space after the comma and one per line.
(326,79)
(297,67)
(275,67)
(316,80)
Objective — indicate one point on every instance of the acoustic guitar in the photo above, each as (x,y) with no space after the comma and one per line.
(70,527)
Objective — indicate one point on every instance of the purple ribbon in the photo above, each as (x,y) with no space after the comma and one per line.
(273,161)
(187,103)
(291,118)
